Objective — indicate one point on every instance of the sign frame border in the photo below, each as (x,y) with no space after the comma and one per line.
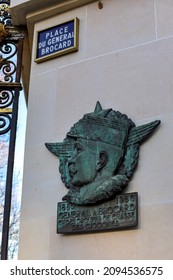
(62,52)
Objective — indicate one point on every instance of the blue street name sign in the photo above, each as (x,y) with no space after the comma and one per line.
(57,40)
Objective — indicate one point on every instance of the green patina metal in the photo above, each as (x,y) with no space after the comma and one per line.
(99,155)
(119,213)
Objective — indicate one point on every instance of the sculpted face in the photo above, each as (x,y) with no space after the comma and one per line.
(92,161)
(99,155)
(82,164)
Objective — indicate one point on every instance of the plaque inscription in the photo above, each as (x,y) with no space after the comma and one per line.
(120,213)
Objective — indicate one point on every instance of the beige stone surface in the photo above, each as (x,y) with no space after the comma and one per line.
(153,177)
(164,13)
(120,24)
(137,81)
(38,10)
(45,90)
(129,71)
(149,241)
(34,238)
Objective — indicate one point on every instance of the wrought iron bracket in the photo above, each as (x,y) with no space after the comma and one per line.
(10,86)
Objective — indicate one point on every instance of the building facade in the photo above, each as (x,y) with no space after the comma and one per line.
(124,60)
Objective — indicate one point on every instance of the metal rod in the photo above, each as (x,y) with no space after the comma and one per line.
(9,180)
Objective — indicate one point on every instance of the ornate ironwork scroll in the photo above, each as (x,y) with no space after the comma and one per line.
(11,44)
(5,16)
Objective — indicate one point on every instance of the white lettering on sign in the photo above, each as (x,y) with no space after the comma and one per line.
(57,32)
(56,39)
(42,44)
(56,47)
(56,43)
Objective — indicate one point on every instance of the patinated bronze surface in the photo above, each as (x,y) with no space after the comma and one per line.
(116,214)
(99,155)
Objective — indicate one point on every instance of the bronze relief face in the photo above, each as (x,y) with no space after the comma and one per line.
(99,155)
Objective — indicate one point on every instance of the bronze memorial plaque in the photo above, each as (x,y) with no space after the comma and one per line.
(119,213)
(97,159)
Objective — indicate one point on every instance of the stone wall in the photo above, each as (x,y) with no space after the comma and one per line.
(125,60)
